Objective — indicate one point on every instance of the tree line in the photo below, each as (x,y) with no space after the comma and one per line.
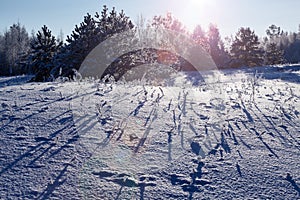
(48,57)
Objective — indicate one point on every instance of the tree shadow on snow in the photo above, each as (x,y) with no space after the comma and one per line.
(290,179)
(14,80)
(51,187)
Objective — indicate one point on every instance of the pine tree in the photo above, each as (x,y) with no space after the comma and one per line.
(200,38)
(216,46)
(111,23)
(274,31)
(273,53)
(85,37)
(245,49)
(82,40)
(43,49)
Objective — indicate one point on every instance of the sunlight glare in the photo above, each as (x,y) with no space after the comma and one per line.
(198,12)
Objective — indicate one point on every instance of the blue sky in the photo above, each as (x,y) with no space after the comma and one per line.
(229,15)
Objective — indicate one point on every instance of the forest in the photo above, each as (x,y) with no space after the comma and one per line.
(47,56)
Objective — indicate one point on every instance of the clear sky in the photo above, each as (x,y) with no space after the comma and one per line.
(229,15)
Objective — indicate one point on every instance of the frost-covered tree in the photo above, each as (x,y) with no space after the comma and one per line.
(43,49)
(245,49)
(168,22)
(162,56)
(290,43)
(15,43)
(200,38)
(292,52)
(2,55)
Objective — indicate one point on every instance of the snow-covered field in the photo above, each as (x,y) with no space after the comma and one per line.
(235,137)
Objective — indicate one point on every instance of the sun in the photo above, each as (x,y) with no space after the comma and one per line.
(198,12)
(199,3)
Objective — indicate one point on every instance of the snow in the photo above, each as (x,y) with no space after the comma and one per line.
(235,137)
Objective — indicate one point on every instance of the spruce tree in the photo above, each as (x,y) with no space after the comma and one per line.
(245,49)
(43,49)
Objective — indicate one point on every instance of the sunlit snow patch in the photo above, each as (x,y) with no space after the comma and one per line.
(153,116)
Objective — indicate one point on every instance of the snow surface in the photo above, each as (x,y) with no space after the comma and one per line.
(236,136)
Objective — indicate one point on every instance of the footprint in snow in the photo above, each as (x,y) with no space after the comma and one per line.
(125,180)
